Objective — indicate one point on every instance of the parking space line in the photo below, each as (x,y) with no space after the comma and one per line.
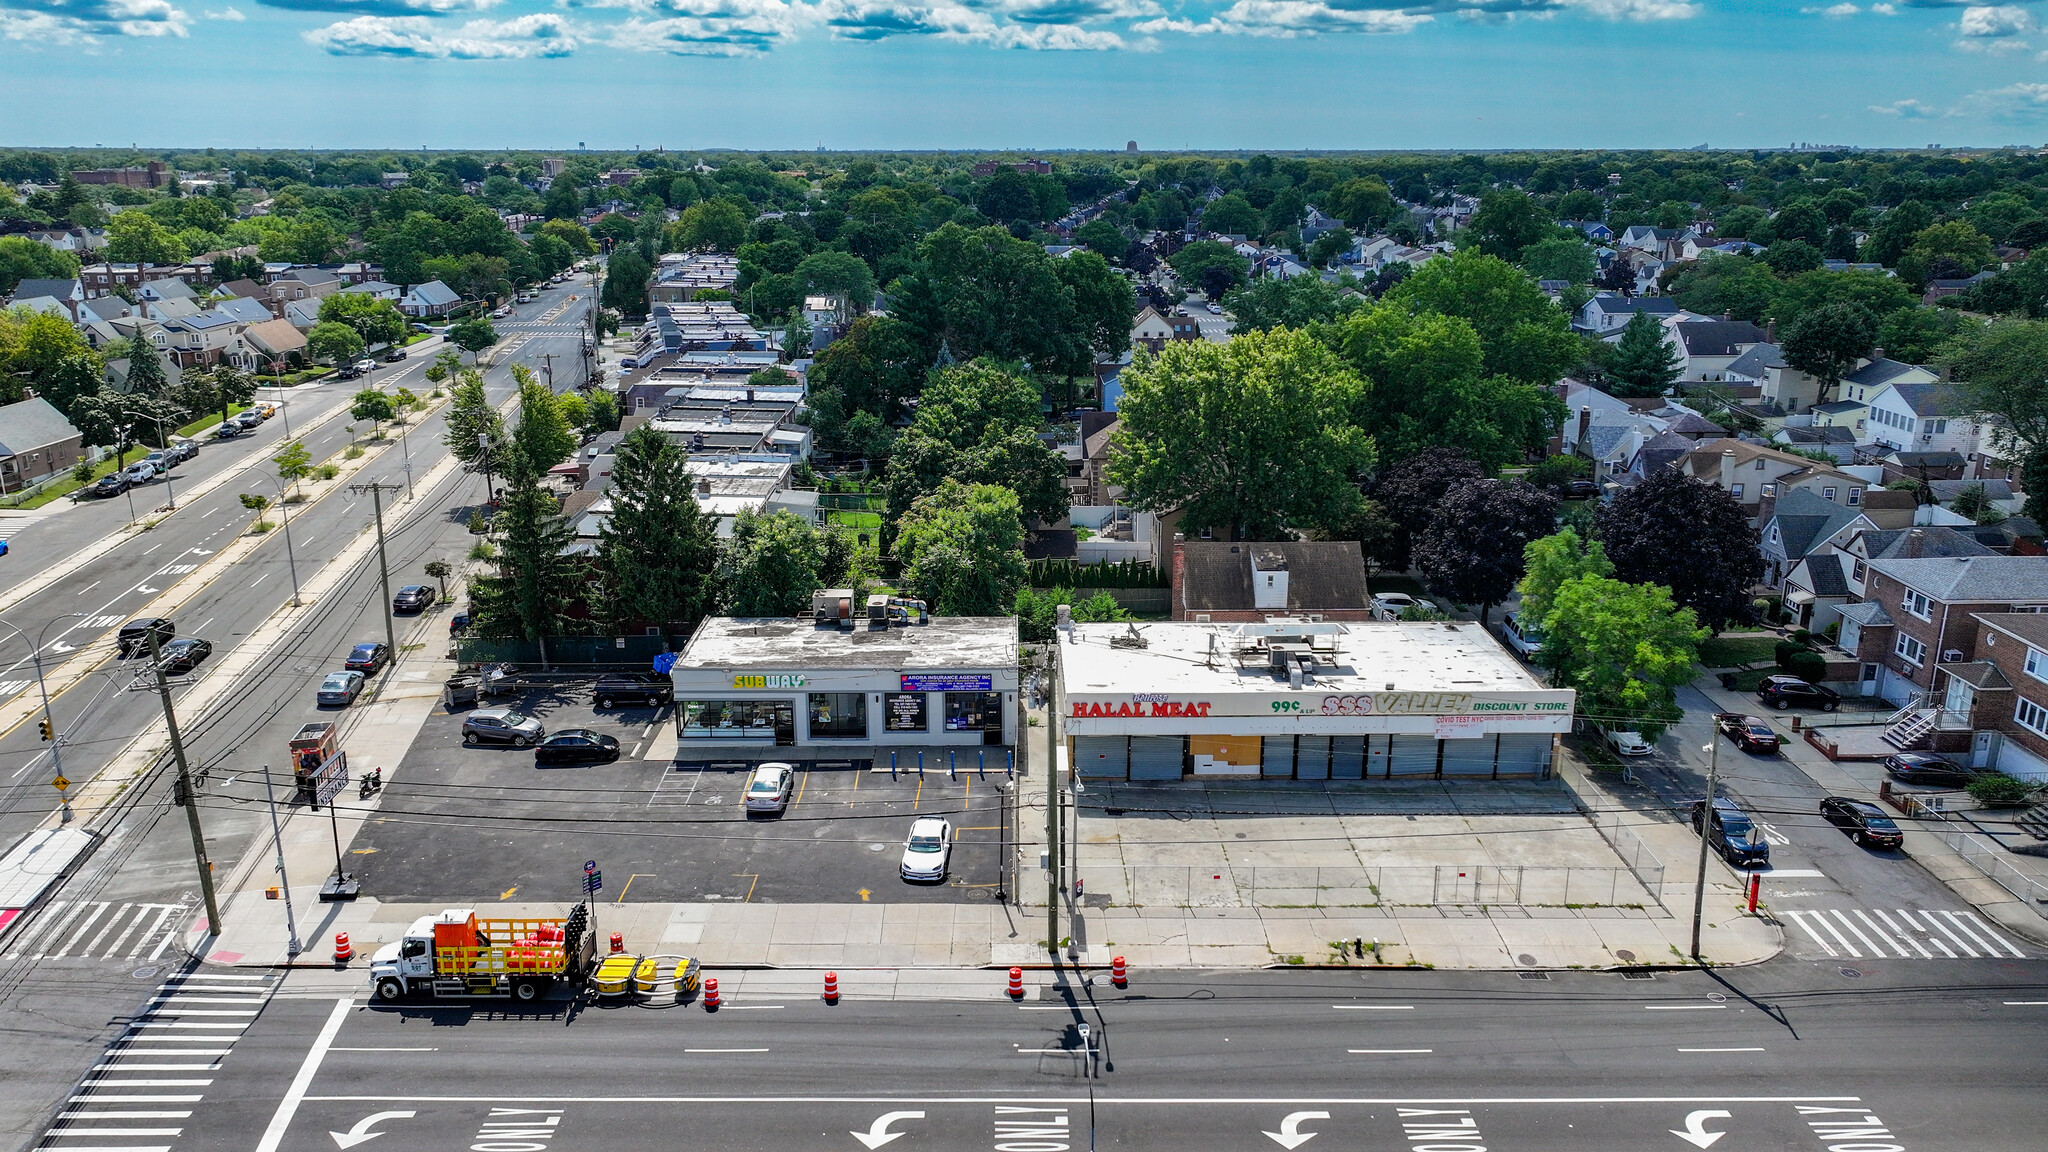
(802,782)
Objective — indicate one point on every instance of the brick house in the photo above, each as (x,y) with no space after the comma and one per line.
(36,442)
(1926,615)
(2004,694)
(1246,583)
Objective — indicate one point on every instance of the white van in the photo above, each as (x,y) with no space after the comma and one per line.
(1525,640)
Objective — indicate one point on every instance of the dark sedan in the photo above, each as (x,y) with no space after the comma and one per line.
(184,655)
(369,658)
(112,484)
(1791,691)
(577,746)
(1862,821)
(412,598)
(1925,768)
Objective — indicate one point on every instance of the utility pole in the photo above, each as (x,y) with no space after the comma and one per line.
(1052,801)
(483,448)
(185,793)
(376,492)
(284,883)
(1699,887)
(548,365)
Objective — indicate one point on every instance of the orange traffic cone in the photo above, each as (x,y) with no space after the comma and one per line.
(342,952)
(831,987)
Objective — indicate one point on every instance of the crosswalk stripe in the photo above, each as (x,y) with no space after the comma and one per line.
(97,909)
(164,912)
(10,687)
(1906,936)
(1880,933)
(214,976)
(1964,927)
(1876,933)
(127,929)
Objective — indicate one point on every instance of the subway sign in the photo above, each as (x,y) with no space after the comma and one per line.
(769,680)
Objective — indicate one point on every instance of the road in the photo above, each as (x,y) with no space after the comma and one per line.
(139,887)
(1426,1061)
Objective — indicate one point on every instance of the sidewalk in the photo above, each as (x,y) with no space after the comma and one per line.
(1860,779)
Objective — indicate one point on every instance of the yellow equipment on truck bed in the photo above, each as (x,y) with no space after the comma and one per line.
(456,954)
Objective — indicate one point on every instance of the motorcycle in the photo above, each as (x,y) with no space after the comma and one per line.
(372,784)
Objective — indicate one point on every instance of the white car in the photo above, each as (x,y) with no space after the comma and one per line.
(769,789)
(1216,308)
(928,849)
(1388,605)
(1524,639)
(366,365)
(1627,743)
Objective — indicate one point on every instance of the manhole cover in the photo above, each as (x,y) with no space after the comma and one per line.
(1534,975)
(1851,973)
(1525,958)
(1717,998)
(145,973)
(1625,954)
(876,847)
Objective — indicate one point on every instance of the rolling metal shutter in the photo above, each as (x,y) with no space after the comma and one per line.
(1525,754)
(1104,757)
(1347,757)
(1470,757)
(1312,758)
(1413,756)
(1377,750)
(1276,757)
(1156,757)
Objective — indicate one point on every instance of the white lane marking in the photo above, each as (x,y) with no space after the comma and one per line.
(169,1011)
(155,1067)
(1681,1007)
(725,1049)
(213,976)
(1881,935)
(117,1147)
(155,1024)
(97,1098)
(259,580)
(1903,935)
(1386,1051)
(1044,1008)
(208,512)
(124,1115)
(1720,1049)
(150,1083)
(1949,928)
(2025,1003)
(745,1007)
(340,1049)
(98,908)
(1046,1051)
(154,1053)
(1792,874)
(88,588)
(113,1132)
(1973,918)
(152,547)
(1374,1007)
(289,1106)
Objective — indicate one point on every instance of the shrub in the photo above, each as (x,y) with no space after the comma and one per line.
(1806,664)
(1997,790)
(327,471)
(354,452)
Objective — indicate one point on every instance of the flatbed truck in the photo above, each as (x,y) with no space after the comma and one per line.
(457,955)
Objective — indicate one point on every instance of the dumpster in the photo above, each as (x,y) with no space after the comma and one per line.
(460,692)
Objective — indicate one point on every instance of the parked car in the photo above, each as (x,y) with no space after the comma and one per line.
(183,655)
(366,365)
(577,746)
(1790,691)
(1927,768)
(347,372)
(1863,822)
(140,472)
(112,484)
(1733,834)
(412,598)
(183,450)
(629,362)
(1580,488)
(266,408)
(1525,639)
(340,689)
(458,623)
(614,688)
(769,789)
(928,849)
(1626,742)
(394,356)
(501,726)
(1750,733)
(134,635)
(368,658)
(229,430)
(160,460)
(1216,309)
(249,418)
(1389,605)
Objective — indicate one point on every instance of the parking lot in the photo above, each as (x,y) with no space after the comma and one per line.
(484,824)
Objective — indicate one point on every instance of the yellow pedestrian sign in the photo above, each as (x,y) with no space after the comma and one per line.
(60,783)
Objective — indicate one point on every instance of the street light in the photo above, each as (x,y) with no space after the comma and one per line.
(284,511)
(1699,887)
(49,724)
(170,493)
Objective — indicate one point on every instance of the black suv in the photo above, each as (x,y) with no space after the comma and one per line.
(1863,822)
(1734,835)
(633,687)
(1791,691)
(1926,768)
(134,635)
(112,484)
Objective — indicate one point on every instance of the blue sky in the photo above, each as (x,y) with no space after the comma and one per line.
(1172,74)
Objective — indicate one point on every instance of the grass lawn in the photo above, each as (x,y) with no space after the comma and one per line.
(1727,652)
(1395,582)
(1748,681)
(209,420)
(68,485)
(858,521)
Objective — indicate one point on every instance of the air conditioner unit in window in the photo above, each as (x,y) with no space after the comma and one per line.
(1951,654)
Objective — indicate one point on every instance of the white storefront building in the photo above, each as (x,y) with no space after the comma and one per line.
(1303,700)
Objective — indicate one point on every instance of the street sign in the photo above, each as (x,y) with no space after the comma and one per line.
(331,777)
(60,783)
(590,865)
(593,881)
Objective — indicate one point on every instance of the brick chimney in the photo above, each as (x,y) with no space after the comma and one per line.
(1180,567)
(1916,542)
(1585,419)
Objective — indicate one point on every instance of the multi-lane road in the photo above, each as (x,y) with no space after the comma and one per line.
(140,885)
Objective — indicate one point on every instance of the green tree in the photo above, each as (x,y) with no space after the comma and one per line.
(1507,222)
(1879,293)
(657,549)
(1828,342)
(1253,437)
(473,335)
(1624,648)
(1560,259)
(1232,215)
(771,565)
(987,293)
(256,503)
(1719,282)
(1790,258)
(196,391)
(1549,563)
(146,375)
(335,343)
(1363,203)
(536,583)
(2002,369)
(235,387)
(1295,303)
(1193,261)
(446,364)
(625,283)
(838,274)
(23,259)
(1103,305)
(376,321)
(542,438)
(604,412)
(136,238)
(563,202)
(45,352)
(570,233)
(1102,237)
(876,366)
(962,549)
(470,416)
(1953,240)
(1916,335)
(978,424)
(372,405)
(294,463)
(1007,196)
(1037,612)
(1524,334)
(1690,537)
(711,226)
(1643,362)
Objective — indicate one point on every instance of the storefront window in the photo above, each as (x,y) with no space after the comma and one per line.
(839,715)
(974,711)
(904,712)
(735,719)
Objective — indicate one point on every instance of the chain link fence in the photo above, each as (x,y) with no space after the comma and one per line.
(1988,858)
(1642,863)
(1353,886)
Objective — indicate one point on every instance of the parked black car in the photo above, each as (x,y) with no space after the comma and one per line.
(1734,835)
(369,657)
(182,451)
(577,746)
(134,635)
(651,688)
(112,484)
(1862,821)
(1790,691)
(412,598)
(230,431)
(1580,489)
(394,356)
(1927,768)
(184,655)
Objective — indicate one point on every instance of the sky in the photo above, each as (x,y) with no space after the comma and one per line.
(1020,74)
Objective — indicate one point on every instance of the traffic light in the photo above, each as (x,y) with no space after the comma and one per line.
(45,726)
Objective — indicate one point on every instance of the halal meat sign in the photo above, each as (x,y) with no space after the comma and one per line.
(1143,708)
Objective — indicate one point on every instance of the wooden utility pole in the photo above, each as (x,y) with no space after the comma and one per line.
(184,793)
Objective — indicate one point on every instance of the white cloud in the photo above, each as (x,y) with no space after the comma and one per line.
(1290,19)
(231,14)
(1636,10)
(1885,9)
(710,27)
(540,34)
(1836,12)
(2015,102)
(384,7)
(78,21)
(1904,109)
(1994,21)
(43,28)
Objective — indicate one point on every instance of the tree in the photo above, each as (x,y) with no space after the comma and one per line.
(1643,362)
(1624,648)
(711,226)
(1828,342)
(1007,196)
(294,463)
(978,424)
(1954,240)
(570,233)
(335,343)
(376,321)
(1472,549)
(1103,304)
(470,416)
(1037,612)
(23,259)
(962,549)
(625,283)
(1409,491)
(473,335)
(372,405)
(1688,536)
(771,565)
(446,364)
(1363,203)
(1548,563)
(43,351)
(2002,370)
(440,570)
(536,582)
(837,274)
(986,293)
(1295,303)
(197,392)
(1327,247)
(137,238)
(563,202)
(256,503)
(1253,437)
(1101,236)
(1232,215)
(1560,258)
(1193,261)
(873,368)
(1917,335)
(1523,333)
(1507,222)
(657,549)
(542,439)
(146,376)
(1789,258)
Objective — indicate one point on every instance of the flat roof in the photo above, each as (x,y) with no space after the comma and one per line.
(1437,656)
(724,642)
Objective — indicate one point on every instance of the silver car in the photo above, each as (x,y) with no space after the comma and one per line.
(770,787)
(340,688)
(501,726)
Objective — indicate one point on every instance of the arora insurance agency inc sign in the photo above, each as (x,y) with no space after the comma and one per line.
(1541,710)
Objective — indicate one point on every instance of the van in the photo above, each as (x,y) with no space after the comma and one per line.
(1524,639)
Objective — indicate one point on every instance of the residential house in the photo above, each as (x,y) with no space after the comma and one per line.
(243,309)
(274,343)
(1755,475)
(36,442)
(1839,443)
(1786,389)
(67,293)
(1862,385)
(376,290)
(1851,415)
(1594,230)
(302,314)
(1609,312)
(1709,347)
(1795,524)
(304,283)
(2003,693)
(1932,603)
(1151,331)
(1922,417)
(1941,289)
(169,288)
(1249,583)
(430,299)
(1317,223)
(101,279)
